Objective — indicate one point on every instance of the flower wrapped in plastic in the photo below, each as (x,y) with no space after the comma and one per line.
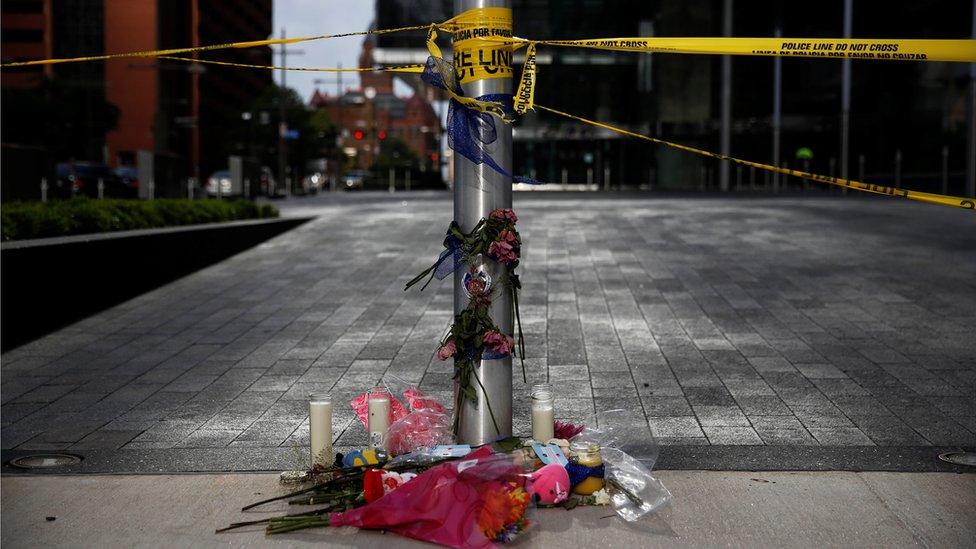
(477,502)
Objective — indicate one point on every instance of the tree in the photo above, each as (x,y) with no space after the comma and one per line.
(395,153)
(258,136)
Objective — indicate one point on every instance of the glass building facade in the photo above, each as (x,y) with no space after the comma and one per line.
(916,111)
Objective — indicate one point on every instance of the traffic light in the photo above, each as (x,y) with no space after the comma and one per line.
(358,135)
(381,135)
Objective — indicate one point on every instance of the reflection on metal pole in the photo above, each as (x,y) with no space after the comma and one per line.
(845,114)
(726,144)
(478,190)
(777,109)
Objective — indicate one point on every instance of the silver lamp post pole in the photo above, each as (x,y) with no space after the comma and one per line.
(478,190)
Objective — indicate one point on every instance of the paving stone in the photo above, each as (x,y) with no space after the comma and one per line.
(735,315)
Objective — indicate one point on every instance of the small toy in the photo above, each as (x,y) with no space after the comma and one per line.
(550,484)
(357,458)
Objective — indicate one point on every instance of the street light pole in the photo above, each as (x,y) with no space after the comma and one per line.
(726,101)
(845,114)
(478,190)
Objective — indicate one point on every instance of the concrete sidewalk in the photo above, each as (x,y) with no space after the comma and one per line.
(709,509)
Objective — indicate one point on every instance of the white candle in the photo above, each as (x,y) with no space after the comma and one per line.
(379,417)
(542,412)
(320,428)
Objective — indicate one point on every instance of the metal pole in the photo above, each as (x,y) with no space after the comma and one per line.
(945,169)
(392,180)
(606,178)
(845,95)
(44,189)
(282,124)
(971,146)
(898,169)
(478,190)
(777,110)
(726,101)
(101,188)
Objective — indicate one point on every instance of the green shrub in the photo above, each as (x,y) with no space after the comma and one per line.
(23,220)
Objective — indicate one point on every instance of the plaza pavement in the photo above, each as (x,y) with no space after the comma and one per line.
(751,332)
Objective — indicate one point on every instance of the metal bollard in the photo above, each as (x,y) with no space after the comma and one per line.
(589,176)
(565,178)
(606,178)
(44,189)
(478,190)
(101,188)
(392,180)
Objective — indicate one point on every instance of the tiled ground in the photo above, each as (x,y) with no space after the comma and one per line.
(745,321)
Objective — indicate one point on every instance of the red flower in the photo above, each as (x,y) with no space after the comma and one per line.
(504,214)
(503,252)
(447,351)
(499,342)
(509,237)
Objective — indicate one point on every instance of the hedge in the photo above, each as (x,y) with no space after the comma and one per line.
(23,220)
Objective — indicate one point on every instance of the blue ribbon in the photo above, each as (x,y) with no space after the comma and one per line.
(443,267)
(469,132)
(578,473)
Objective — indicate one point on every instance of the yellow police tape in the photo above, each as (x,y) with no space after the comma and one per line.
(852,48)
(449,78)
(476,34)
(400,68)
(212,47)
(960,202)
(525,95)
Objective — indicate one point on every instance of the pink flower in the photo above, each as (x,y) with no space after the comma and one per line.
(504,214)
(502,252)
(447,351)
(509,237)
(499,342)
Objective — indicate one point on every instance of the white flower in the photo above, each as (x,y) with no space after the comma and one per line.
(601,497)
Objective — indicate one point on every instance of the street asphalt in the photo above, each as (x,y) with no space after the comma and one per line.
(751,332)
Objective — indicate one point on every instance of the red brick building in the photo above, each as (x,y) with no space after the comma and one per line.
(175,110)
(365,122)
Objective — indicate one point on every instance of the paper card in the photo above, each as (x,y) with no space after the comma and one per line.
(451,450)
(550,453)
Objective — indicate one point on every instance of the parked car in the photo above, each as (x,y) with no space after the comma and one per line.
(313,183)
(128,176)
(221,179)
(81,179)
(354,179)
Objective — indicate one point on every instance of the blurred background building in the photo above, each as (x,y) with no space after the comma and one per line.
(106,112)
(908,121)
(914,112)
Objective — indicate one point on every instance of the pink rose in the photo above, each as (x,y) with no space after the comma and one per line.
(504,214)
(502,252)
(498,342)
(447,351)
(509,237)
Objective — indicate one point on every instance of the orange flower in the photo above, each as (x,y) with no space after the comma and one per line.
(501,506)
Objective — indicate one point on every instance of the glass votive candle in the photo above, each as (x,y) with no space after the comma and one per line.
(320,428)
(542,412)
(378,422)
